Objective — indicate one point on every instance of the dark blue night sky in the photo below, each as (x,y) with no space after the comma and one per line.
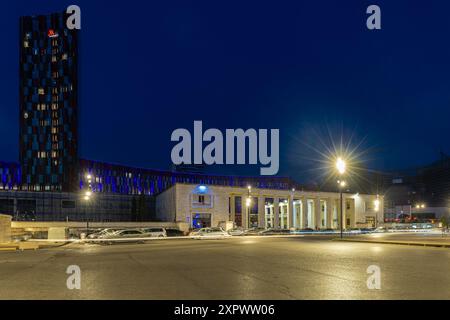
(305,67)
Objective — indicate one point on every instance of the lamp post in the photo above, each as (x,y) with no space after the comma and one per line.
(341,167)
(87,198)
(377,209)
(342,185)
(248,204)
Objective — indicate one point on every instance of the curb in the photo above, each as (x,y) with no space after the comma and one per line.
(404,243)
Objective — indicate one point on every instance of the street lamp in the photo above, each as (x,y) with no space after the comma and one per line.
(341,166)
(87,198)
(248,204)
(377,208)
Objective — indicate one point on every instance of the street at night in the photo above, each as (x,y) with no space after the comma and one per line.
(238,268)
(217,159)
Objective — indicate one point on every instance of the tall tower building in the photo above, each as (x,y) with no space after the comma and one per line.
(48,98)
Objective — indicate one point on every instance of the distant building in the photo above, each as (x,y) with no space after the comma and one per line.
(212,205)
(422,193)
(433,183)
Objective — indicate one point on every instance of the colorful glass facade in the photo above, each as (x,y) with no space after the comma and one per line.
(110,178)
(10,176)
(48,103)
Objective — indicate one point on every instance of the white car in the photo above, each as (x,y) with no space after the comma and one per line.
(194,232)
(101,233)
(155,232)
(237,232)
(129,235)
(212,233)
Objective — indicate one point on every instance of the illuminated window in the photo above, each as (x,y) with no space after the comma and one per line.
(42,155)
(41,91)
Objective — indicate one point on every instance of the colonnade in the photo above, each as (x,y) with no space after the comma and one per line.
(298,212)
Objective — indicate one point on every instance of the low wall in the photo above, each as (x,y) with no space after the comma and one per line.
(5,228)
(44,226)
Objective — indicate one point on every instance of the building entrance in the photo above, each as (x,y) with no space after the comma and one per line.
(201,220)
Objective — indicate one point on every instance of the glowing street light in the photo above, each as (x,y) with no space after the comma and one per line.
(342,184)
(341,166)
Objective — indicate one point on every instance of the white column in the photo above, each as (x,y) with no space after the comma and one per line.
(262,212)
(318,213)
(233,208)
(276,212)
(329,213)
(291,212)
(304,225)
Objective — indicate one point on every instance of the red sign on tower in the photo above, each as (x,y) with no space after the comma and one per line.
(52,34)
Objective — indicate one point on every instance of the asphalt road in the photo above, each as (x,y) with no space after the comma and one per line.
(238,268)
(406,236)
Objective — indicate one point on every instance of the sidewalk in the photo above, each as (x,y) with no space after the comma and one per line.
(28,245)
(434,242)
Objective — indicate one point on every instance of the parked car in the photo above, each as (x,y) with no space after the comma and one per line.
(194,232)
(272,232)
(237,231)
(20,238)
(129,235)
(174,233)
(254,231)
(155,232)
(381,230)
(211,233)
(100,233)
(302,231)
